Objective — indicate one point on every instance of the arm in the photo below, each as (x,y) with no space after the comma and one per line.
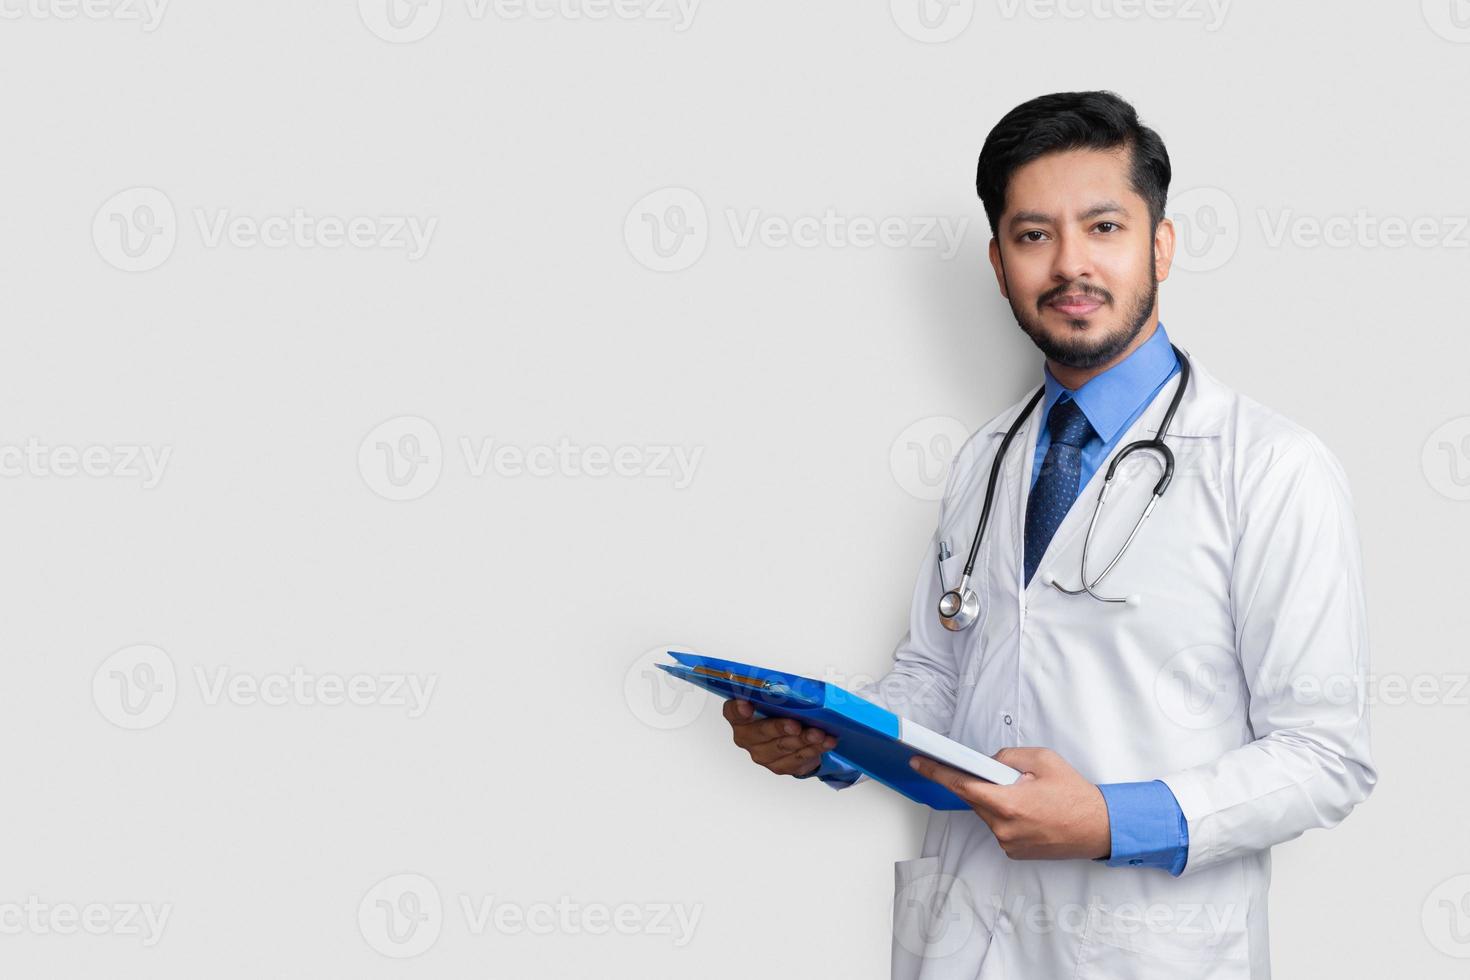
(1301,635)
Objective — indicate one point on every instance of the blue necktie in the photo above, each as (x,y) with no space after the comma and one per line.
(1057,484)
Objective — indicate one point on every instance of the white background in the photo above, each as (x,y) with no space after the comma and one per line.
(541,770)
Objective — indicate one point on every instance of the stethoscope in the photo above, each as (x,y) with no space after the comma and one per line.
(960,606)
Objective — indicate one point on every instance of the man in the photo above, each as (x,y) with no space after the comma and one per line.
(1169,741)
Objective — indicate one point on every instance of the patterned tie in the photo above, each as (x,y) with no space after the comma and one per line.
(1057,484)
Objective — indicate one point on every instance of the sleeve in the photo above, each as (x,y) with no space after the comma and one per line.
(1147,827)
(1296,595)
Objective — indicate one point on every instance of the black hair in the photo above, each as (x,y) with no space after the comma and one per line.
(1071,121)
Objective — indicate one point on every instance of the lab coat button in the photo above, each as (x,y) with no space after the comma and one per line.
(1008,719)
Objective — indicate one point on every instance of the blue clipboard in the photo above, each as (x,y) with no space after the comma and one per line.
(870,738)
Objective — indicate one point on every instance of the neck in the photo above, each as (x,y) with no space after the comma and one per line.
(1073,378)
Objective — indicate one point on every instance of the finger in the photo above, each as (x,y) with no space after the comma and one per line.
(785,745)
(795,763)
(765,730)
(974,791)
(736,711)
(1029,759)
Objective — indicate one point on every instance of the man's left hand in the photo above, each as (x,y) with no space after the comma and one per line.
(1050,813)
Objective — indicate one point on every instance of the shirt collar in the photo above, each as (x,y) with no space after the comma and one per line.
(1111,398)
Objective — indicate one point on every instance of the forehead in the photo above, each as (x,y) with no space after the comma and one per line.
(1055,183)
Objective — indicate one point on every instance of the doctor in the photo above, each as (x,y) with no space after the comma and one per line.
(1167,741)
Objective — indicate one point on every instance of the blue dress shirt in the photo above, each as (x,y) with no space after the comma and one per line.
(1147,826)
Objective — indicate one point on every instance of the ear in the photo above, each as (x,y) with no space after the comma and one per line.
(1164,248)
(995,263)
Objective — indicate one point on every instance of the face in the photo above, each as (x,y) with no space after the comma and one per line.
(1075,257)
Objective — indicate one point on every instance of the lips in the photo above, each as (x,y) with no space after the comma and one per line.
(1076,304)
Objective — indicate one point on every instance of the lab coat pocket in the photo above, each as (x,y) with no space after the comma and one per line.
(932,920)
(1160,942)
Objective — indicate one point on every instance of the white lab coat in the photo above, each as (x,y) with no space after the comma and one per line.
(1239,680)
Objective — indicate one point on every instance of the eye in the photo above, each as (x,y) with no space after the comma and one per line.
(1026,236)
(1109,224)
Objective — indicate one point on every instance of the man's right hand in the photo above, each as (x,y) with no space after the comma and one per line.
(779,744)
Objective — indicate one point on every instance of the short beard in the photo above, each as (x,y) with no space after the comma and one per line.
(1076,350)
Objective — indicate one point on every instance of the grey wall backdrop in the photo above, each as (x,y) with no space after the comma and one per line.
(386,384)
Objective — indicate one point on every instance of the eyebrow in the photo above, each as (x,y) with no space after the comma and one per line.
(1039,218)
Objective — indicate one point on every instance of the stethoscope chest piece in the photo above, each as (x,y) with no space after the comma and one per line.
(959,608)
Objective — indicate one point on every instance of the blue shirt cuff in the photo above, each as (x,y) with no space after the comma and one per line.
(1148,827)
(833,773)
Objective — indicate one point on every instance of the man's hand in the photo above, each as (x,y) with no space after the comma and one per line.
(1051,812)
(780,744)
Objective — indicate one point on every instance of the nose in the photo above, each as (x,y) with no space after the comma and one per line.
(1072,258)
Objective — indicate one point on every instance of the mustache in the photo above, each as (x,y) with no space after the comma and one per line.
(1095,292)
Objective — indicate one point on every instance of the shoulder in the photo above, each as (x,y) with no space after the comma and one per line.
(1272,455)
